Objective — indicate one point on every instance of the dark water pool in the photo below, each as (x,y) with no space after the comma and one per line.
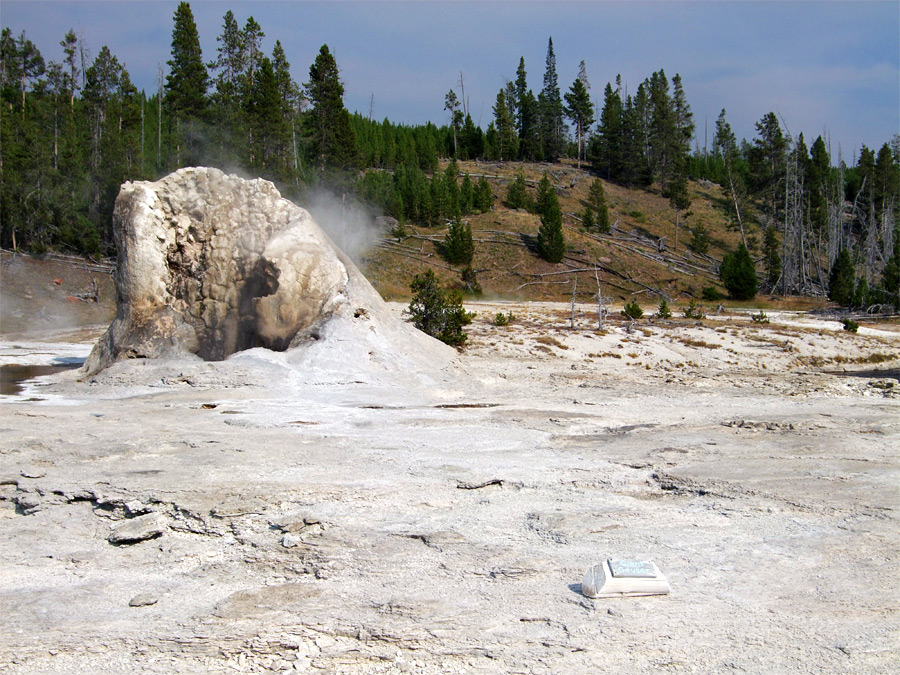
(13,375)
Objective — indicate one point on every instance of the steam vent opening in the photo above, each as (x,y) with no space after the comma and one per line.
(211,264)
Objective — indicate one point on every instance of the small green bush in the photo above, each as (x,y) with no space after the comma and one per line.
(662,310)
(470,280)
(587,220)
(759,318)
(699,239)
(437,312)
(851,325)
(504,319)
(711,294)
(633,310)
(693,310)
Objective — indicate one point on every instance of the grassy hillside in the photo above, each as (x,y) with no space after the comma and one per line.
(628,261)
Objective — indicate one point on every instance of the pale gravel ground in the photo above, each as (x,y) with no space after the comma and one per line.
(764,488)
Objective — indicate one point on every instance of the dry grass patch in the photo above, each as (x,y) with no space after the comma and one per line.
(550,341)
(691,342)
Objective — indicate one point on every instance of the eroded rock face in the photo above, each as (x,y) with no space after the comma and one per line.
(212,264)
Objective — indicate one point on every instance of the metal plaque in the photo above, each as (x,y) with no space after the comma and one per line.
(640,569)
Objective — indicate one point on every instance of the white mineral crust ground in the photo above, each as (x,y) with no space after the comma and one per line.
(326,515)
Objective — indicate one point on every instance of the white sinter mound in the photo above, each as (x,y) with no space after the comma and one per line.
(211,264)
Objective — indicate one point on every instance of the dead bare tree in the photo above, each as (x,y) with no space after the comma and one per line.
(602,309)
(574,293)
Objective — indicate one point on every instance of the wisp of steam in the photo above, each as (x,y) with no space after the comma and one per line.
(350,225)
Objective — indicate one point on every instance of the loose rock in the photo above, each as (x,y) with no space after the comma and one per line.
(138,529)
(143,600)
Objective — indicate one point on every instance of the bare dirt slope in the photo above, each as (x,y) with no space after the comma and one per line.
(326,520)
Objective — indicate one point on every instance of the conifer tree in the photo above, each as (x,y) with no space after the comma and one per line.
(725,147)
(451,103)
(636,165)
(527,116)
(186,86)
(597,201)
(506,132)
(437,312)
(889,293)
(70,47)
(290,100)
(738,274)
(264,109)
(29,64)
(682,132)
(579,108)
(288,91)
(524,113)
(473,139)
(606,149)
(587,219)
(767,164)
(484,196)
(678,194)
(817,178)
(661,127)
(841,279)
(252,36)
(466,195)
(440,203)
(187,80)
(517,196)
(458,245)
(230,61)
(452,187)
(331,137)
(551,110)
(550,240)
(771,257)
(546,196)
(699,239)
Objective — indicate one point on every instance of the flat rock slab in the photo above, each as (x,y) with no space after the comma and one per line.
(143,600)
(138,529)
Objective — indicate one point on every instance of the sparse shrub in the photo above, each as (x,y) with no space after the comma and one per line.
(771,257)
(711,294)
(504,319)
(851,325)
(693,310)
(399,230)
(861,294)
(437,312)
(662,310)
(587,220)
(633,310)
(470,280)
(699,239)
(760,317)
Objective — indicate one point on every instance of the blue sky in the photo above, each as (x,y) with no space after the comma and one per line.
(830,68)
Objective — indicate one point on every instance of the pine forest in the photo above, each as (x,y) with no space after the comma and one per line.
(73,130)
